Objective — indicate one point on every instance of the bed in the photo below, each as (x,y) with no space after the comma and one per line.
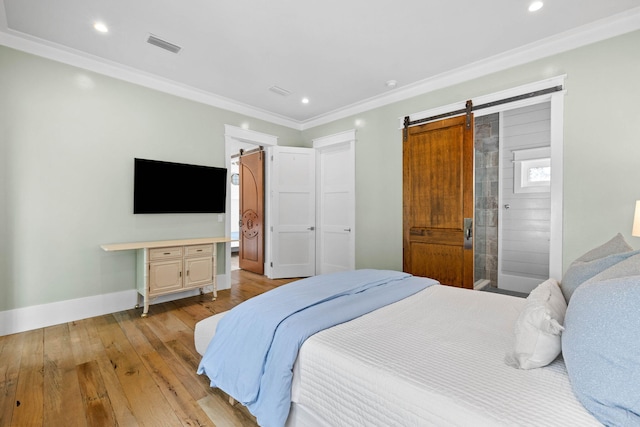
(437,357)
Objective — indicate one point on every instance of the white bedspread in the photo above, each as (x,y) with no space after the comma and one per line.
(436,358)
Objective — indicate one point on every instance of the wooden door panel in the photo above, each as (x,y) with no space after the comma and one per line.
(436,179)
(437,197)
(444,261)
(429,235)
(251,256)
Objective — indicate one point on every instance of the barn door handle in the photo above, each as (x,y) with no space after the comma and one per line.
(468,233)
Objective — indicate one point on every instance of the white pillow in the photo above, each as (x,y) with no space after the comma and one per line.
(538,328)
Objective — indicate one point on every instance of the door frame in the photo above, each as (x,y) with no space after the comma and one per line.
(234,136)
(557,143)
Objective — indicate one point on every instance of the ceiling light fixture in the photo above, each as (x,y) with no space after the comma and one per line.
(391,83)
(101,27)
(305,100)
(535,6)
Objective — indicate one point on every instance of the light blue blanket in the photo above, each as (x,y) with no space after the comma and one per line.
(256,344)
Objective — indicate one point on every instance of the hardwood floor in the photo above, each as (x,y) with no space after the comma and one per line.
(120,369)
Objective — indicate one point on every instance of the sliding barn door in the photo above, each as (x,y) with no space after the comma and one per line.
(438,201)
(252,212)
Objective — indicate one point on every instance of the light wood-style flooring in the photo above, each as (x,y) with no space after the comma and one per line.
(120,369)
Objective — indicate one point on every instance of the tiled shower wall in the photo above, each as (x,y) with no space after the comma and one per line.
(487,159)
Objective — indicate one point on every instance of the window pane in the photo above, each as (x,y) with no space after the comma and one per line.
(540,174)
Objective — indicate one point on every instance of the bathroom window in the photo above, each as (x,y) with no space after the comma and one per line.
(532,170)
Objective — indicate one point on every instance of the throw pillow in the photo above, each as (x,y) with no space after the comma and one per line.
(580,271)
(627,267)
(601,349)
(616,245)
(538,328)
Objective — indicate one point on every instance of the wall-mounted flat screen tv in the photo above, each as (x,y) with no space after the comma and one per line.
(165,187)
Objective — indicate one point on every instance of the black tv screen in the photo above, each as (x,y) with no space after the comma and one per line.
(165,187)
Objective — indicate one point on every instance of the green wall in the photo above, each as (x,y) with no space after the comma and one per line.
(601,147)
(68,138)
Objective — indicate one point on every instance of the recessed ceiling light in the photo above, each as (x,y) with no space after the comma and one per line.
(100,27)
(535,6)
(391,84)
(305,100)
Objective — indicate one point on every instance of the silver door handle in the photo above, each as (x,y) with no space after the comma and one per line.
(468,233)
(311,228)
(348,229)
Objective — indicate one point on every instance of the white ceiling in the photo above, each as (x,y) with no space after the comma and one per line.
(338,53)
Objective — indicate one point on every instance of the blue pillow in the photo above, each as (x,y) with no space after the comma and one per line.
(581,271)
(601,349)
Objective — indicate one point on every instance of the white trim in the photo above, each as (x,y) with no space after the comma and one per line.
(612,26)
(531,154)
(338,138)
(55,313)
(606,28)
(108,68)
(40,316)
(45,315)
(249,136)
(557,187)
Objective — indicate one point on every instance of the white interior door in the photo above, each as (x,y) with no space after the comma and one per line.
(336,202)
(291,187)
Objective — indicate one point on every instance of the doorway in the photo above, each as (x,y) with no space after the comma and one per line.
(513,197)
(252,212)
(489,206)
(237,139)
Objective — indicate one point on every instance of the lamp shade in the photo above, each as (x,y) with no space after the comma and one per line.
(636,221)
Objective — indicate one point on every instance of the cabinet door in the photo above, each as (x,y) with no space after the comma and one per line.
(199,272)
(165,276)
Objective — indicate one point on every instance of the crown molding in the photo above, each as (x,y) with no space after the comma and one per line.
(98,65)
(600,30)
(587,34)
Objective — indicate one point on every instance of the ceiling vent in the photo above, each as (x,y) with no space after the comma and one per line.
(157,41)
(279,90)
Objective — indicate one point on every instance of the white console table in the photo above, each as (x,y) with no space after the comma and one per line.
(170,266)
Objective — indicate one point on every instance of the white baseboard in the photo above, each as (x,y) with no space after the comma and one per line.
(41,316)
